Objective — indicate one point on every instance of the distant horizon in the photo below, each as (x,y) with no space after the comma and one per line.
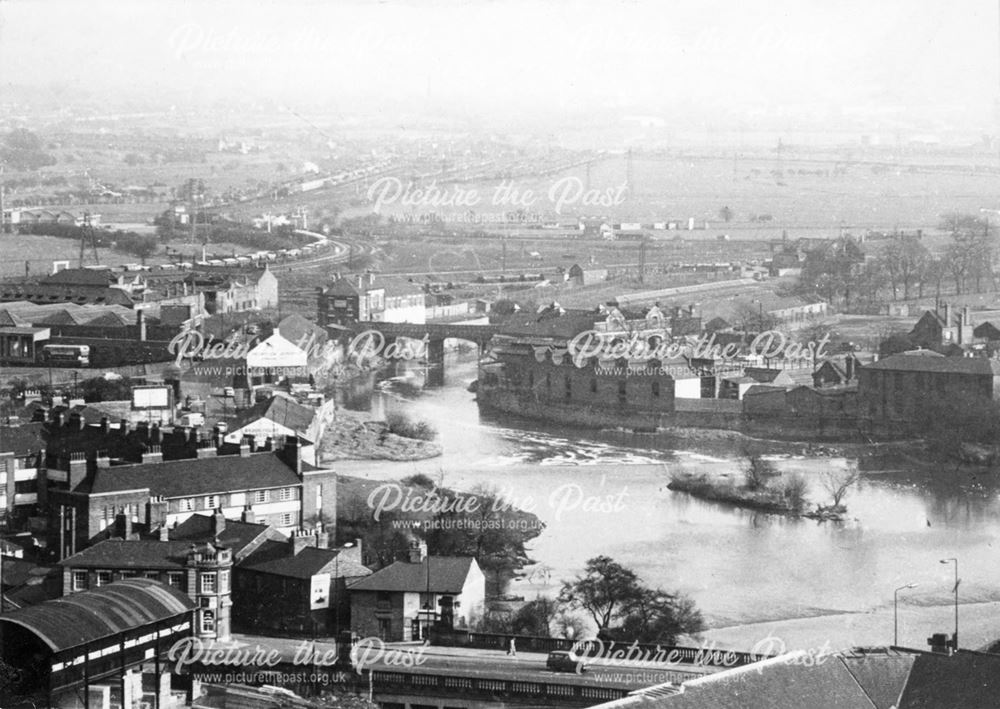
(895,67)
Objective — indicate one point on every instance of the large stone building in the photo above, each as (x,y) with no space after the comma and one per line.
(86,495)
(903,389)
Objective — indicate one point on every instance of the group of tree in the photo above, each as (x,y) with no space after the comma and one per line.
(478,523)
(860,276)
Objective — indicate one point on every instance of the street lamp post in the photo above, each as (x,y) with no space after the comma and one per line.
(895,611)
(954,639)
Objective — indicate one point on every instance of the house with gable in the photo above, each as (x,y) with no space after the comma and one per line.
(404,600)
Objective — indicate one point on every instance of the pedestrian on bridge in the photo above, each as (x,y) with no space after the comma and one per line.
(512,650)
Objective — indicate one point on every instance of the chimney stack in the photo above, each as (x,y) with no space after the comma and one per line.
(155,436)
(103,459)
(218,523)
(248,515)
(152,454)
(123,525)
(418,551)
(58,419)
(123,427)
(77,468)
(207,449)
(947,315)
(245,448)
(301,539)
(156,513)
(105,426)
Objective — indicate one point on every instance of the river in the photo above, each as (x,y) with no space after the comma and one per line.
(597,495)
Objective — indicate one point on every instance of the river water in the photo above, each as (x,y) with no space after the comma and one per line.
(598,495)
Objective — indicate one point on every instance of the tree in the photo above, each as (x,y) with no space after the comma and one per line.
(838,482)
(494,532)
(623,608)
(904,260)
(605,590)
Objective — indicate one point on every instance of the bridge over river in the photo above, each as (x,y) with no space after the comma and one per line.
(434,334)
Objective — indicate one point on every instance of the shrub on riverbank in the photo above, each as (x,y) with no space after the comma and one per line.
(403,425)
(786,494)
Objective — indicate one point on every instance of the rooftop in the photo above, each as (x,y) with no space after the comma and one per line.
(446,574)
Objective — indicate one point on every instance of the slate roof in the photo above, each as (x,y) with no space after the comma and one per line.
(764,375)
(342,286)
(969,680)
(194,476)
(22,440)
(550,324)
(85,617)
(236,535)
(8,319)
(131,554)
(295,328)
(921,362)
(447,575)
(876,678)
(276,558)
(82,276)
(281,409)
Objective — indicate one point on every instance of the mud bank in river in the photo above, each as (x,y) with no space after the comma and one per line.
(351,437)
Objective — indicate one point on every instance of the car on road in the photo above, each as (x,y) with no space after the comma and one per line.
(564,661)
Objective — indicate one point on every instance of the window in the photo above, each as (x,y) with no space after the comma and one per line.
(130,574)
(656,388)
(155,575)
(237,499)
(622,392)
(187,504)
(224,581)
(285,494)
(176,579)
(568,383)
(79,580)
(211,502)
(593,386)
(208,621)
(285,520)
(103,578)
(208,582)
(260,496)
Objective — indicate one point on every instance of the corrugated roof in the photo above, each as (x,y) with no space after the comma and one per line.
(447,575)
(105,612)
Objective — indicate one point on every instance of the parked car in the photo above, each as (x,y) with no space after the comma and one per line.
(564,661)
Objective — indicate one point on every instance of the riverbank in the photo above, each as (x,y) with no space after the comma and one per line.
(350,436)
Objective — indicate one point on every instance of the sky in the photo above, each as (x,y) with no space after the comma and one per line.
(642,56)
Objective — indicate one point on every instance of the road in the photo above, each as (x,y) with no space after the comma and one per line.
(494,664)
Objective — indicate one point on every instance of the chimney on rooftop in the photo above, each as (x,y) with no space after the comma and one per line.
(849,362)
(123,525)
(152,454)
(218,523)
(57,419)
(103,459)
(207,449)
(77,468)
(248,515)
(154,435)
(418,551)
(947,314)
(123,427)
(105,426)
(301,539)
(245,446)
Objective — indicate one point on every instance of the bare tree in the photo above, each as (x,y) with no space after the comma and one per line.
(838,482)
